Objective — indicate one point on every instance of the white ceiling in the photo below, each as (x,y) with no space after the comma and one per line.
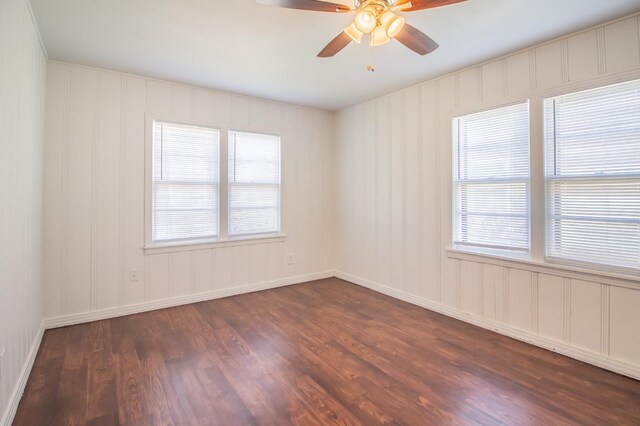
(243,47)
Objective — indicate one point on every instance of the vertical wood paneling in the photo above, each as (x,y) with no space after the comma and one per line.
(212,107)
(429,185)
(621,45)
(239,112)
(624,319)
(105,202)
(520,312)
(518,79)
(304,179)
(157,277)
(397,190)
(368,183)
(180,273)
(470,87)
(183,102)
(22,124)
(258,267)
(383,193)
(106,245)
(132,174)
(201,268)
(54,178)
(412,200)
(549,70)
(492,295)
(82,132)
(257,114)
(551,306)
(586,311)
(469,285)
(492,81)
(583,56)
(290,147)
(159,97)
(446,103)
(221,268)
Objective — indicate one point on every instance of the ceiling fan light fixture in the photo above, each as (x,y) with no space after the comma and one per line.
(365,20)
(379,36)
(392,23)
(353,32)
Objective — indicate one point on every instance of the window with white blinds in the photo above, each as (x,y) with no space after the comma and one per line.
(592,149)
(254,184)
(491,179)
(185,180)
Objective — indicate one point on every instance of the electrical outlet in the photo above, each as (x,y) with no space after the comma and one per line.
(133,275)
(290,259)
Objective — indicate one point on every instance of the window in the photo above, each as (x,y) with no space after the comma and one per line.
(185,180)
(592,150)
(491,179)
(189,201)
(254,184)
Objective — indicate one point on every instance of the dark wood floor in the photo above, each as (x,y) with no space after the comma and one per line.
(318,353)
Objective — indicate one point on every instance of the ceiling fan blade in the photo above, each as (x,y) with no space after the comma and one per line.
(416,40)
(335,45)
(426,4)
(313,5)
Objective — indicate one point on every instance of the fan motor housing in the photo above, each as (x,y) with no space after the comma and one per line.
(389,3)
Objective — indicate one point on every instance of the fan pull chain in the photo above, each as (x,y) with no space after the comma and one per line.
(370,67)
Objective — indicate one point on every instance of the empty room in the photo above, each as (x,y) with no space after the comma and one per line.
(309,212)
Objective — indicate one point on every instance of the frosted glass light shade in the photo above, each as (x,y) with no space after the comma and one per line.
(379,36)
(353,32)
(392,23)
(365,20)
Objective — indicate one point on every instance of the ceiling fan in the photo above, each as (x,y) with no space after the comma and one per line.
(373,17)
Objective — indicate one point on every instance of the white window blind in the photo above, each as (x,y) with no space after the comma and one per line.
(254,183)
(491,179)
(185,182)
(592,146)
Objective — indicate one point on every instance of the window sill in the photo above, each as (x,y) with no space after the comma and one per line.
(213,244)
(594,275)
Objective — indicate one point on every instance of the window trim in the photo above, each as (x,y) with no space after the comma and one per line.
(223,240)
(585,273)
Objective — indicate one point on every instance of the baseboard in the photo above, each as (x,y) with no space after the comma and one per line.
(73,319)
(589,357)
(18,390)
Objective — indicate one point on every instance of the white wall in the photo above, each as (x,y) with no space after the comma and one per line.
(22,78)
(94,196)
(393,217)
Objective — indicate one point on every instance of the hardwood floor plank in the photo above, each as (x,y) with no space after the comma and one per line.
(326,352)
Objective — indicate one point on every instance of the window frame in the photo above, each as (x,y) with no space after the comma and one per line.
(536,261)
(493,250)
(585,265)
(223,239)
(228,185)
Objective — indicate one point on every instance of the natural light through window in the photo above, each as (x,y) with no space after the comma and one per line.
(491,179)
(592,145)
(185,182)
(254,184)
